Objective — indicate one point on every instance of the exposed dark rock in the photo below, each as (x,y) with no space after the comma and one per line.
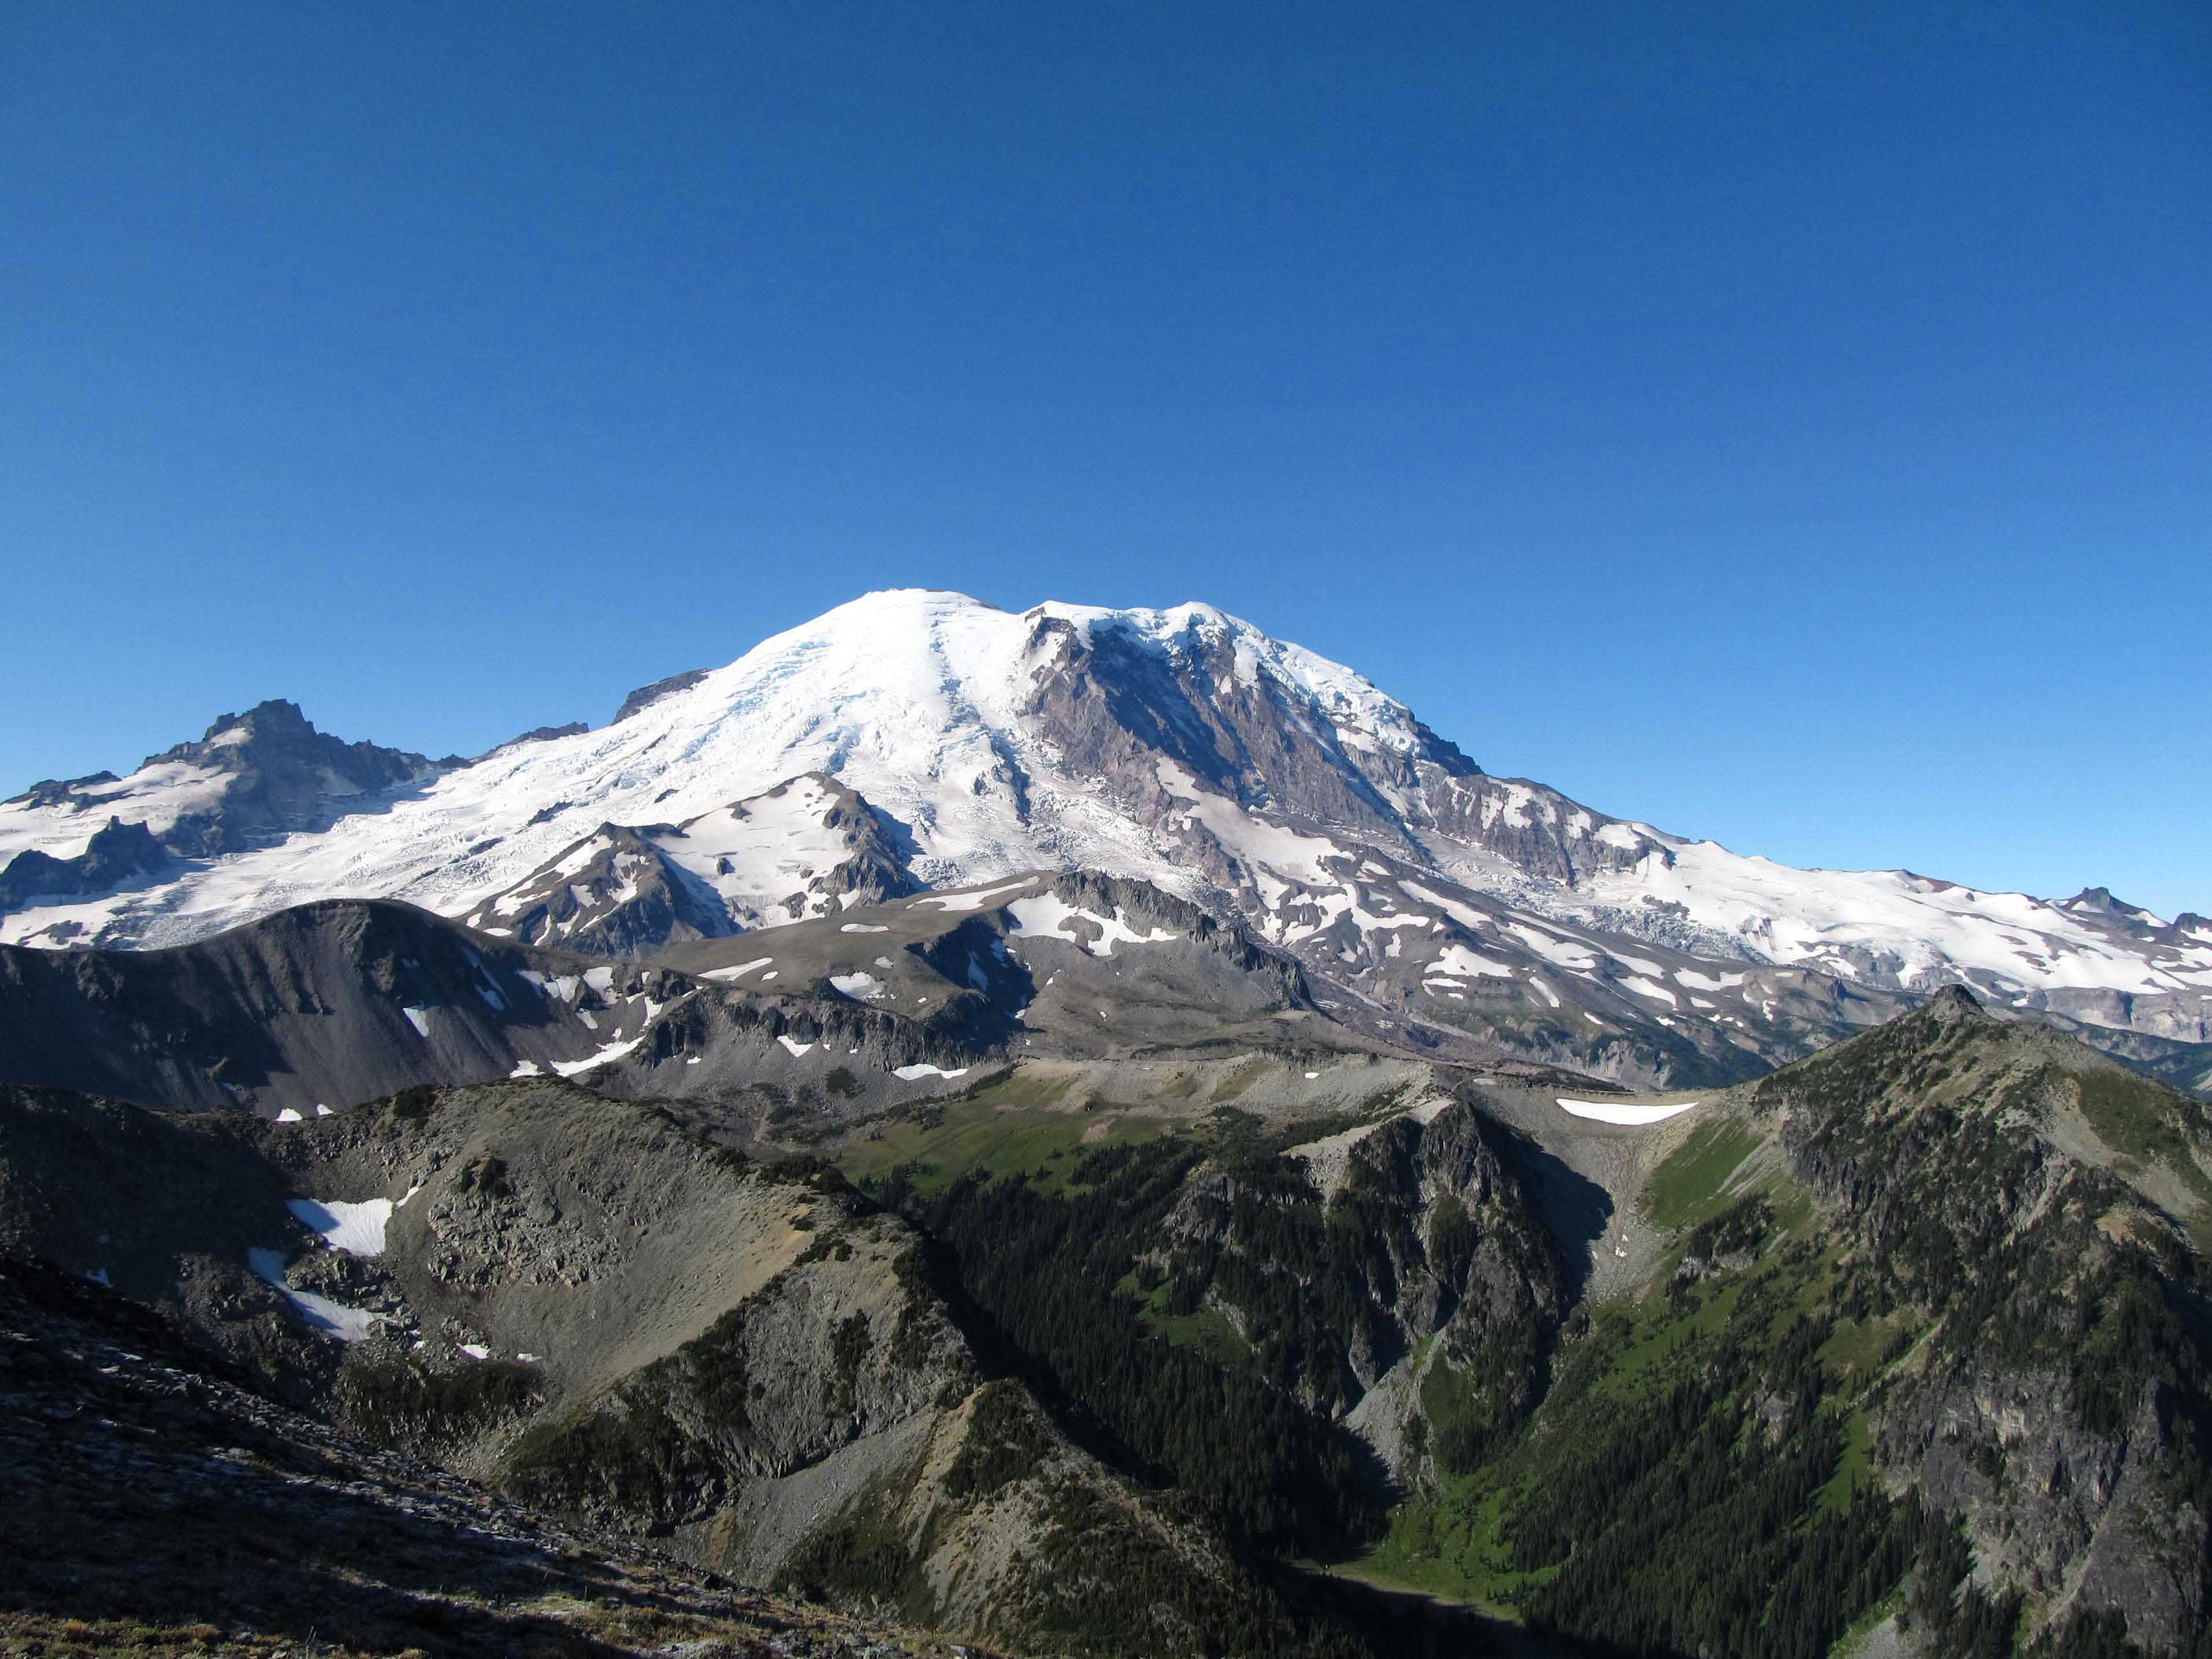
(115,853)
(646,696)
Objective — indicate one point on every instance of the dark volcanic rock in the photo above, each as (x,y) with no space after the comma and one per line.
(112,857)
(646,696)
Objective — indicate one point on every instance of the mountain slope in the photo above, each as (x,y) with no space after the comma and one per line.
(150,1504)
(1912,1327)
(604,1314)
(1188,749)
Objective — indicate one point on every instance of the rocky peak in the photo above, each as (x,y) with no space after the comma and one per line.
(115,853)
(646,696)
(1953,1003)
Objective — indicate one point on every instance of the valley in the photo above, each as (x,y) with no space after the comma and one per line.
(1086,1133)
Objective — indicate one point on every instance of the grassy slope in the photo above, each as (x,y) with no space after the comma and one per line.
(1456,1542)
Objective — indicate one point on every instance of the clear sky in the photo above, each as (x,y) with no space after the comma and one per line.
(1786,423)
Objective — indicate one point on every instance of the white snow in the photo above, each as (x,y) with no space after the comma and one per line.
(289,1115)
(739,971)
(331,1318)
(797,1050)
(861,988)
(1461,963)
(1649,989)
(915,1074)
(1708,982)
(419,1018)
(863,927)
(756,853)
(971,901)
(1555,948)
(1048,915)
(921,701)
(611,1051)
(1615,1111)
(355,1228)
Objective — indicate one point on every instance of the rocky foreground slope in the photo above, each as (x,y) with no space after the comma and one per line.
(596,1310)
(151,1503)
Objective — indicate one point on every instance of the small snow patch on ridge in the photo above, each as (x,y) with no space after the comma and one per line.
(973,901)
(738,971)
(612,1051)
(915,1074)
(1621,1111)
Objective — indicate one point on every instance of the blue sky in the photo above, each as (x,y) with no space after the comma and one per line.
(1788,424)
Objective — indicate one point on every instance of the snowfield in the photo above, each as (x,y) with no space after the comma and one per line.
(1619,1111)
(925,703)
(356,1229)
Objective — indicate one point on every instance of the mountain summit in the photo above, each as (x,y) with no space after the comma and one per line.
(954,743)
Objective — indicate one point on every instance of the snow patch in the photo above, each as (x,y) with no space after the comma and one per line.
(738,971)
(1616,1111)
(1048,915)
(331,1318)
(356,1229)
(611,1051)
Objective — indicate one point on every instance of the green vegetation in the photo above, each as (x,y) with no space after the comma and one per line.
(1006,1442)
(1208,1330)
(1452,1545)
(1688,1185)
(1014,1128)
(1042,1258)
(1691,1482)
(1691,1472)
(863,1553)
(2150,1124)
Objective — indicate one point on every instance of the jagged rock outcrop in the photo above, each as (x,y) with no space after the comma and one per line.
(807,848)
(114,855)
(646,696)
(1338,1260)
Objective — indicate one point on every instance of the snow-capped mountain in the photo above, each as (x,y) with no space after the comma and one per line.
(923,739)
